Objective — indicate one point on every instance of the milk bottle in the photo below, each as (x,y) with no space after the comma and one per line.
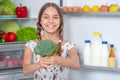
(105,53)
(87,53)
(96,49)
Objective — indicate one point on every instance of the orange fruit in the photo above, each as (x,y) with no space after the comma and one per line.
(95,8)
(86,8)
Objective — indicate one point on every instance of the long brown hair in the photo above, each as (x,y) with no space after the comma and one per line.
(60,30)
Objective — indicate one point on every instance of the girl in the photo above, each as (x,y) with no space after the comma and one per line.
(50,26)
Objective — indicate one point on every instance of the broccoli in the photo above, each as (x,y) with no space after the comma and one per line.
(46,48)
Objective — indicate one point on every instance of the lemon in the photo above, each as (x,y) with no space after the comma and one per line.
(113,8)
(95,8)
(86,8)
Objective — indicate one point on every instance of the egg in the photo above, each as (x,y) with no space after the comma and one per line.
(70,9)
(80,9)
(75,9)
(65,8)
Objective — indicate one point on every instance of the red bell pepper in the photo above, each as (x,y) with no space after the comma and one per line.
(21,11)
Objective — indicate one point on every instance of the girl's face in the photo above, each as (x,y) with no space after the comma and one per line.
(50,20)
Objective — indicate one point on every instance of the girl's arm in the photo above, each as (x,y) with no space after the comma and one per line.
(28,66)
(71,62)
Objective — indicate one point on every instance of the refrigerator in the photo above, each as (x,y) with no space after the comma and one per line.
(78,27)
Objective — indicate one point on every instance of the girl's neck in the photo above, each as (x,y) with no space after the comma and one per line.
(52,37)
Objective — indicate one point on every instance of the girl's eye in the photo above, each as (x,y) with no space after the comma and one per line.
(45,17)
(56,17)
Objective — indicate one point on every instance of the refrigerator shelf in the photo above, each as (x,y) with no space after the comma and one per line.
(104,14)
(100,68)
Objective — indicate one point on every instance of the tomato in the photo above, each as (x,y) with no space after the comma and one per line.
(11,36)
(4,36)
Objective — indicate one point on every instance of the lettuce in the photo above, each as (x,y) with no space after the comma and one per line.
(26,34)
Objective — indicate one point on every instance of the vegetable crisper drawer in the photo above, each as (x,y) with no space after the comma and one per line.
(11,55)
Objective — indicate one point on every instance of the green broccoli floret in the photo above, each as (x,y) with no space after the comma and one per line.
(46,48)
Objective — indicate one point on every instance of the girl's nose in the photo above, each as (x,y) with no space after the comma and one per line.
(51,20)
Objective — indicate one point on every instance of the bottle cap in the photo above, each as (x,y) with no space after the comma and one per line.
(111,45)
(87,41)
(96,33)
(104,42)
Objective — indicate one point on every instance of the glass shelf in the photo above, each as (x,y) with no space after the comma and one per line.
(5,18)
(100,68)
(6,43)
(10,46)
(104,14)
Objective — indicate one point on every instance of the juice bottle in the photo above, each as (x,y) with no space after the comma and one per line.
(111,57)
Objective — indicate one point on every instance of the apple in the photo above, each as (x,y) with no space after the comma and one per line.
(104,8)
(113,8)
(11,36)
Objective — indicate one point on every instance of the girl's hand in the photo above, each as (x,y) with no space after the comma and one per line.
(49,61)
(43,62)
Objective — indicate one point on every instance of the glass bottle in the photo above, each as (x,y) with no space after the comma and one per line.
(111,57)
(87,53)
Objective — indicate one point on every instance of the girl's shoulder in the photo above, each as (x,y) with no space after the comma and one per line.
(31,43)
(64,42)
(68,44)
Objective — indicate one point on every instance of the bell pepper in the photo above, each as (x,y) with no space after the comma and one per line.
(21,11)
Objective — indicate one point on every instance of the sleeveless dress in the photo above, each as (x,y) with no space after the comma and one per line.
(57,72)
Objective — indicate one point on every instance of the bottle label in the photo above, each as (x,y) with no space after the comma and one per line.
(111,62)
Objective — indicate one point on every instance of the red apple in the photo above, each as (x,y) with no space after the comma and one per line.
(104,8)
(11,36)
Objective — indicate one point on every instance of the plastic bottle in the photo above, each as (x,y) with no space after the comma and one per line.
(96,49)
(111,58)
(87,53)
(105,53)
